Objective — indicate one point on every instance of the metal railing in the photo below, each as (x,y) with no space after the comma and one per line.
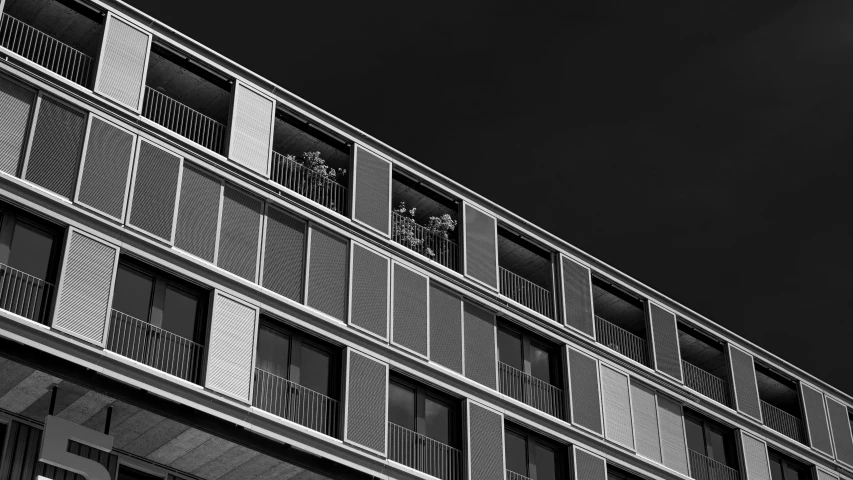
(532,391)
(783,422)
(44,50)
(24,294)
(527,293)
(423,453)
(145,343)
(510,475)
(705,383)
(704,468)
(419,239)
(183,120)
(297,177)
(291,401)
(622,341)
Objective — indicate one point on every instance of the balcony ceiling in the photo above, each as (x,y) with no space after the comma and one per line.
(707,357)
(619,311)
(524,262)
(188,88)
(424,205)
(778,391)
(290,140)
(60,22)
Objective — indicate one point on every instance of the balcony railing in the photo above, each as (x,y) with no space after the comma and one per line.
(44,50)
(145,343)
(308,183)
(510,475)
(527,293)
(783,422)
(534,392)
(705,383)
(293,402)
(704,468)
(622,341)
(183,120)
(429,244)
(423,453)
(24,294)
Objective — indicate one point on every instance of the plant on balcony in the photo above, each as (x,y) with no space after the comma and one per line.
(313,162)
(406,229)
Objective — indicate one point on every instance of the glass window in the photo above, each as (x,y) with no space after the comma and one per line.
(776,469)
(314,370)
(180,311)
(794,473)
(540,363)
(273,351)
(695,435)
(546,463)
(401,406)
(516,453)
(437,420)
(128,473)
(717,446)
(133,292)
(509,349)
(30,250)
(2,438)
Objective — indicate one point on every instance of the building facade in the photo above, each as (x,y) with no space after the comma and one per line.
(192,293)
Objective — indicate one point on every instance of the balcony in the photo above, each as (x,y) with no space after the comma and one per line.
(621,341)
(532,391)
(24,294)
(183,120)
(145,343)
(704,468)
(525,272)
(705,383)
(423,453)
(510,475)
(315,187)
(527,293)
(423,241)
(293,402)
(783,422)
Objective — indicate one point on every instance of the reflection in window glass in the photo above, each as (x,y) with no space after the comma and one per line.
(509,349)
(273,351)
(540,363)
(695,435)
(30,250)
(314,371)
(401,406)
(180,312)
(132,295)
(437,420)
(546,463)
(516,453)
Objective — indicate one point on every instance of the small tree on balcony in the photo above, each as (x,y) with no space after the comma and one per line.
(321,182)
(406,230)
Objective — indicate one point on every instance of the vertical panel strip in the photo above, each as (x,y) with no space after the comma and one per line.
(587,465)
(755,459)
(369,296)
(372,196)
(745,385)
(231,352)
(673,443)
(410,316)
(481,246)
(577,296)
(327,274)
(16,106)
(616,402)
(485,443)
(839,420)
(56,147)
(105,170)
(584,389)
(480,346)
(366,402)
(123,62)
(284,254)
(239,233)
(815,417)
(154,191)
(665,341)
(445,328)
(251,129)
(644,405)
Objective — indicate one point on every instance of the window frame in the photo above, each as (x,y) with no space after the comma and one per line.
(530,440)
(554,362)
(10,217)
(786,461)
(730,446)
(421,394)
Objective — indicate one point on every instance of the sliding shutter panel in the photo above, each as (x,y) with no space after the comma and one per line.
(327,274)
(839,419)
(240,234)
(825,475)
(816,424)
(755,459)
(445,328)
(57,146)
(481,246)
(480,346)
(85,287)
(370,281)
(665,341)
(232,347)
(485,443)
(284,254)
(16,105)
(410,317)
(644,406)
(366,402)
(673,445)
(577,296)
(745,385)
(372,202)
(154,191)
(123,63)
(105,172)
(616,402)
(583,384)
(251,129)
(588,466)
(198,214)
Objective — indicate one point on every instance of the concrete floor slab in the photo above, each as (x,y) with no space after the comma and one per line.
(179,446)
(27,391)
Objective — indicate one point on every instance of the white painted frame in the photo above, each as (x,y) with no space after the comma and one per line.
(620,371)
(113,17)
(652,342)
(235,99)
(734,395)
(827,398)
(563,257)
(251,390)
(807,424)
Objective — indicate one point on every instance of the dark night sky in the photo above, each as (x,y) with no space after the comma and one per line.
(701,147)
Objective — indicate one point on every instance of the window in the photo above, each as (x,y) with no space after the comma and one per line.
(531,456)
(710,439)
(526,272)
(614,473)
(530,370)
(128,473)
(620,320)
(2,438)
(785,468)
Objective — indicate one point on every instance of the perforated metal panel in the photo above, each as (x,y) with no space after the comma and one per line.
(824,475)
(123,62)
(372,190)
(673,446)
(239,233)
(585,401)
(839,420)
(105,172)
(57,146)
(577,296)
(327,274)
(16,104)
(644,406)
(481,249)
(445,328)
(410,327)
(198,214)
(485,443)
(232,347)
(480,347)
(665,338)
(745,387)
(284,254)
(251,129)
(85,287)
(154,191)
(589,466)
(817,426)
(367,402)
(616,403)
(756,463)
(370,281)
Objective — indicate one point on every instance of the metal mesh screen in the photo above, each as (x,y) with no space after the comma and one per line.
(481,249)
(155,190)
(665,338)
(370,291)
(646,422)
(231,349)
(251,130)
(745,386)
(410,321)
(122,63)
(756,463)
(839,418)
(372,190)
(16,104)
(445,328)
(585,403)
(198,214)
(673,447)
(815,411)
(327,274)
(87,279)
(617,407)
(284,254)
(485,443)
(577,296)
(367,398)
(480,346)
(57,146)
(103,181)
(239,233)
(589,466)
(823,475)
